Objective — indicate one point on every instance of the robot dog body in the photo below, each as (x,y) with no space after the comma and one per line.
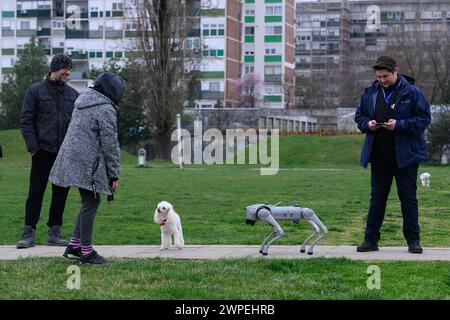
(272,213)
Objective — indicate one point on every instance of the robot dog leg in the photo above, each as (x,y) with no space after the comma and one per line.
(271,214)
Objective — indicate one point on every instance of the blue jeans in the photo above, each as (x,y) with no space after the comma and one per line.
(382,172)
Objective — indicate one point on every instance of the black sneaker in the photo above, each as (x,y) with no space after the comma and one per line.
(414,247)
(367,247)
(72,253)
(93,258)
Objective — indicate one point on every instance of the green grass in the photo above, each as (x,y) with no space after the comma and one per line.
(321,173)
(261,279)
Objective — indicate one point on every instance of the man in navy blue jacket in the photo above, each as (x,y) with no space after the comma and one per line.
(394,115)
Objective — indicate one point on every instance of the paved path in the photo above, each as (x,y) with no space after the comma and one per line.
(214,252)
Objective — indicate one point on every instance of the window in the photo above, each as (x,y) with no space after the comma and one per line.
(249,30)
(117,6)
(274,30)
(249,51)
(272,50)
(213,30)
(273,10)
(249,12)
(249,69)
(214,86)
(272,70)
(25,25)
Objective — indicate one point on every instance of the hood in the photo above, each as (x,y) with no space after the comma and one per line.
(91,98)
(111,86)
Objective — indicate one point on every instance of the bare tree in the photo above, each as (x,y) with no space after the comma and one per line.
(163,62)
(424,55)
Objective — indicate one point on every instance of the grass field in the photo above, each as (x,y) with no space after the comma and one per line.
(317,172)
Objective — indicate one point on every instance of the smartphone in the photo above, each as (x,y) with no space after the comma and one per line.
(379,124)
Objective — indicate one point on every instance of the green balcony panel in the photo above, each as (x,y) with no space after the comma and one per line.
(273,19)
(44,32)
(249,39)
(77,34)
(213,75)
(117,13)
(249,1)
(8,14)
(92,54)
(131,34)
(273,38)
(113,34)
(118,54)
(272,98)
(249,58)
(277,58)
(34,13)
(95,34)
(109,54)
(212,95)
(99,54)
(272,78)
(249,19)
(212,12)
(58,50)
(7,70)
(76,55)
(220,53)
(26,33)
(273,1)
(8,52)
(94,14)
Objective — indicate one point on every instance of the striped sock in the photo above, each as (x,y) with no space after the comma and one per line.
(75,242)
(86,250)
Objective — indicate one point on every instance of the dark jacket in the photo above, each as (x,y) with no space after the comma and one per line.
(412,112)
(44,120)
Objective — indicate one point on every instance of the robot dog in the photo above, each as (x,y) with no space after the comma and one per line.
(272,213)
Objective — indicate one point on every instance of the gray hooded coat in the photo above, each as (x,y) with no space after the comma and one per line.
(89,156)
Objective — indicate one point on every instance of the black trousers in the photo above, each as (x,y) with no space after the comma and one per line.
(41,165)
(84,225)
(383,171)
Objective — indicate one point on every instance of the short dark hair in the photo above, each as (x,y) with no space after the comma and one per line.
(385,62)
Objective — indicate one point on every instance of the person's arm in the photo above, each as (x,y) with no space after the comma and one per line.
(362,119)
(28,121)
(420,120)
(110,144)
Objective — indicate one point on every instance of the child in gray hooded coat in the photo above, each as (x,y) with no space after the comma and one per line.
(89,158)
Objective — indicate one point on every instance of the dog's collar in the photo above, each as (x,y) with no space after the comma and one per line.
(163,223)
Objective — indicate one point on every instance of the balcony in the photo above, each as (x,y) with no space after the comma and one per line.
(113,34)
(211,95)
(272,78)
(78,75)
(7,33)
(77,34)
(44,32)
(26,33)
(34,13)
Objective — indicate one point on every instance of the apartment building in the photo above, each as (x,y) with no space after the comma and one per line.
(345,37)
(235,37)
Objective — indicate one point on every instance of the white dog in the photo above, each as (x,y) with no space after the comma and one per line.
(170,224)
(425,178)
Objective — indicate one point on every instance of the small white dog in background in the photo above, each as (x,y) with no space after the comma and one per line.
(170,224)
(425,178)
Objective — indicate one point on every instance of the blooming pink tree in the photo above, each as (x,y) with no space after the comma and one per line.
(249,90)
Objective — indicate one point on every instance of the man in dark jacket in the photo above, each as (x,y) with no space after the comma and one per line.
(46,112)
(394,115)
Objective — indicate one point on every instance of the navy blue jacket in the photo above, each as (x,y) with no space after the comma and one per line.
(43,122)
(412,112)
